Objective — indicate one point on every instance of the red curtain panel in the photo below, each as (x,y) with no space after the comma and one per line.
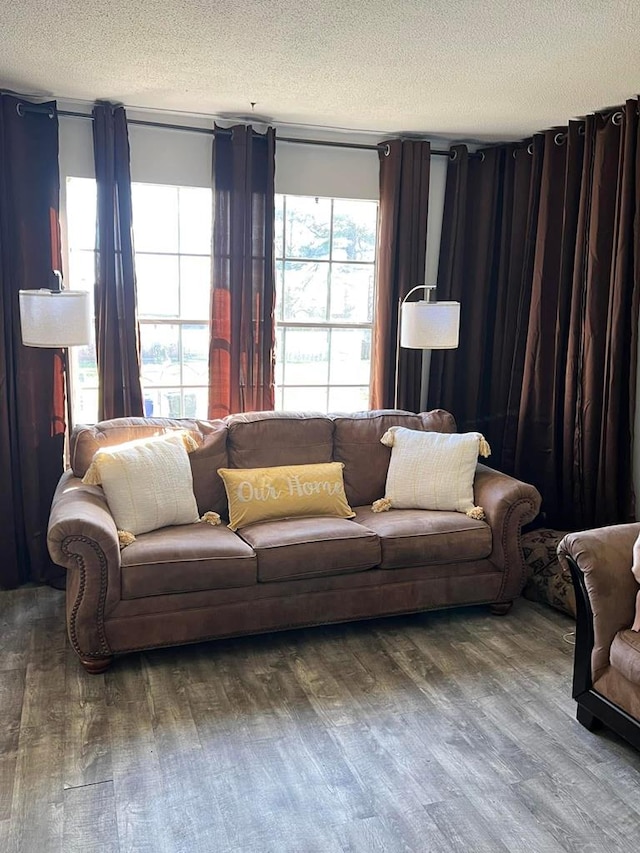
(241,353)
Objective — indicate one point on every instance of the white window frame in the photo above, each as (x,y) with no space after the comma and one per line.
(328,325)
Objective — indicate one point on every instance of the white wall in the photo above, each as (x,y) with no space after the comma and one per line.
(184,158)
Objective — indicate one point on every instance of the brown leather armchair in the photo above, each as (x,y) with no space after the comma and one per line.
(606,677)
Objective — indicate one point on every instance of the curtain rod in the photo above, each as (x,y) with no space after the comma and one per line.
(361,146)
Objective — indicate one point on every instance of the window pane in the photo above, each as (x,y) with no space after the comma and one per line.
(348,399)
(85,370)
(305,399)
(195,287)
(157,277)
(350,356)
(85,405)
(81,213)
(305,291)
(352,292)
(160,354)
(82,271)
(279,369)
(155,218)
(195,355)
(279,289)
(354,230)
(163,403)
(308,227)
(195,220)
(278,402)
(195,402)
(278,224)
(306,358)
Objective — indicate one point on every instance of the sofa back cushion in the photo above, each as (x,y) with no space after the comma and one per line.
(366,461)
(268,439)
(211,437)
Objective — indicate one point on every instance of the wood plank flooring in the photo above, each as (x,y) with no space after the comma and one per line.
(450,731)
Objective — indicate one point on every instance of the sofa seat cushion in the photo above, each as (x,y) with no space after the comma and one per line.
(625,655)
(309,547)
(186,559)
(419,537)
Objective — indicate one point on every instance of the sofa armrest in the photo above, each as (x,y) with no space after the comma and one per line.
(82,537)
(508,504)
(604,556)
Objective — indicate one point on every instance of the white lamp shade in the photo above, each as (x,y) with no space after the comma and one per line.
(55,318)
(429,325)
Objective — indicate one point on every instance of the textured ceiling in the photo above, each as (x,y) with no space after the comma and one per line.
(496,69)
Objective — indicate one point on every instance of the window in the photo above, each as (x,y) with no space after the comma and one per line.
(81,239)
(325,272)
(172,238)
(172,233)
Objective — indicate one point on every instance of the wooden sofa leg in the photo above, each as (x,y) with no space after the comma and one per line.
(501,608)
(94,666)
(587,719)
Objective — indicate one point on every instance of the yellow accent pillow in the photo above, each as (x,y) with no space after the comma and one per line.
(260,494)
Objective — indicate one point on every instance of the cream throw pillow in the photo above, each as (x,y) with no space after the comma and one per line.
(432,470)
(285,491)
(147,482)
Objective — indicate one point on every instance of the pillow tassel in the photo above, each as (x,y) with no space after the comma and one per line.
(476,512)
(484,448)
(210,518)
(125,538)
(189,442)
(381,505)
(388,438)
(92,476)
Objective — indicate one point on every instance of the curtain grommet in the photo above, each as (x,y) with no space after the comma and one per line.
(616,118)
(559,138)
(19,109)
(453,155)
(387,150)
(482,157)
(530,148)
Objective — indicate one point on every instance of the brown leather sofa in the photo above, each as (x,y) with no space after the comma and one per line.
(199,582)
(606,676)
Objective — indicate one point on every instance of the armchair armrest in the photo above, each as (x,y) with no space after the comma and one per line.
(604,557)
(508,504)
(82,537)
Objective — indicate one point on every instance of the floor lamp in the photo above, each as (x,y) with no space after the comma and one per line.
(425,324)
(56,319)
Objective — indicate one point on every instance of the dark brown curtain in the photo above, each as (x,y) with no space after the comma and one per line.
(32,409)
(542,248)
(578,399)
(486,233)
(117,333)
(402,246)
(241,353)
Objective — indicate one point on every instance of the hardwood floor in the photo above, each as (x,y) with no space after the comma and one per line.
(450,731)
